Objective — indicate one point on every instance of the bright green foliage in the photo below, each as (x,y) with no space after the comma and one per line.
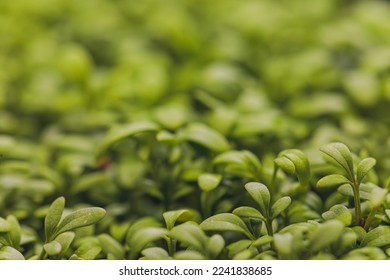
(176,129)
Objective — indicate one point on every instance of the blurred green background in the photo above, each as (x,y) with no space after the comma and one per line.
(268,75)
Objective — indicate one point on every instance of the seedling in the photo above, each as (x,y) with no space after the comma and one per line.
(339,155)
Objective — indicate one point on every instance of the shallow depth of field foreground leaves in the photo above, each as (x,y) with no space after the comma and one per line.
(194,129)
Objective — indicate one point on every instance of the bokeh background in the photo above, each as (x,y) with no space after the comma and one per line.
(267,75)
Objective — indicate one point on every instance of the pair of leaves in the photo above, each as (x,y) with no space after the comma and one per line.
(295,162)
(339,155)
(261,195)
(55,224)
(233,222)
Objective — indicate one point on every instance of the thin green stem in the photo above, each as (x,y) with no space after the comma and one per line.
(273,180)
(268,225)
(370,218)
(171,246)
(42,255)
(358,210)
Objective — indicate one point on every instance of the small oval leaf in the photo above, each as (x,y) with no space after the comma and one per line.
(241,163)
(248,212)
(65,239)
(111,246)
(14,231)
(226,222)
(325,234)
(143,237)
(205,136)
(171,217)
(207,181)
(332,181)
(88,250)
(9,253)
(340,155)
(190,235)
(263,240)
(260,193)
(155,253)
(294,161)
(53,217)
(378,237)
(364,167)
(52,248)
(80,218)
(4,226)
(122,131)
(339,212)
(279,206)
(215,245)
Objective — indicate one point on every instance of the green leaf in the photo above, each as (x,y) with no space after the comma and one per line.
(191,235)
(140,224)
(332,181)
(325,234)
(364,167)
(215,245)
(248,212)
(207,181)
(279,206)
(377,196)
(238,246)
(261,195)
(205,136)
(378,237)
(65,239)
(241,163)
(284,244)
(9,253)
(155,253)
(262,240)
(340,155)
(295,162)
(14,231)
(122,131)
(366,253)
(80,218)
(143,237)
(171,217)
(111,246)
(4,225)
(226,222)
(387,211)
(189,255)
(53,217)
(339,212)
(52,248)
(88,250)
